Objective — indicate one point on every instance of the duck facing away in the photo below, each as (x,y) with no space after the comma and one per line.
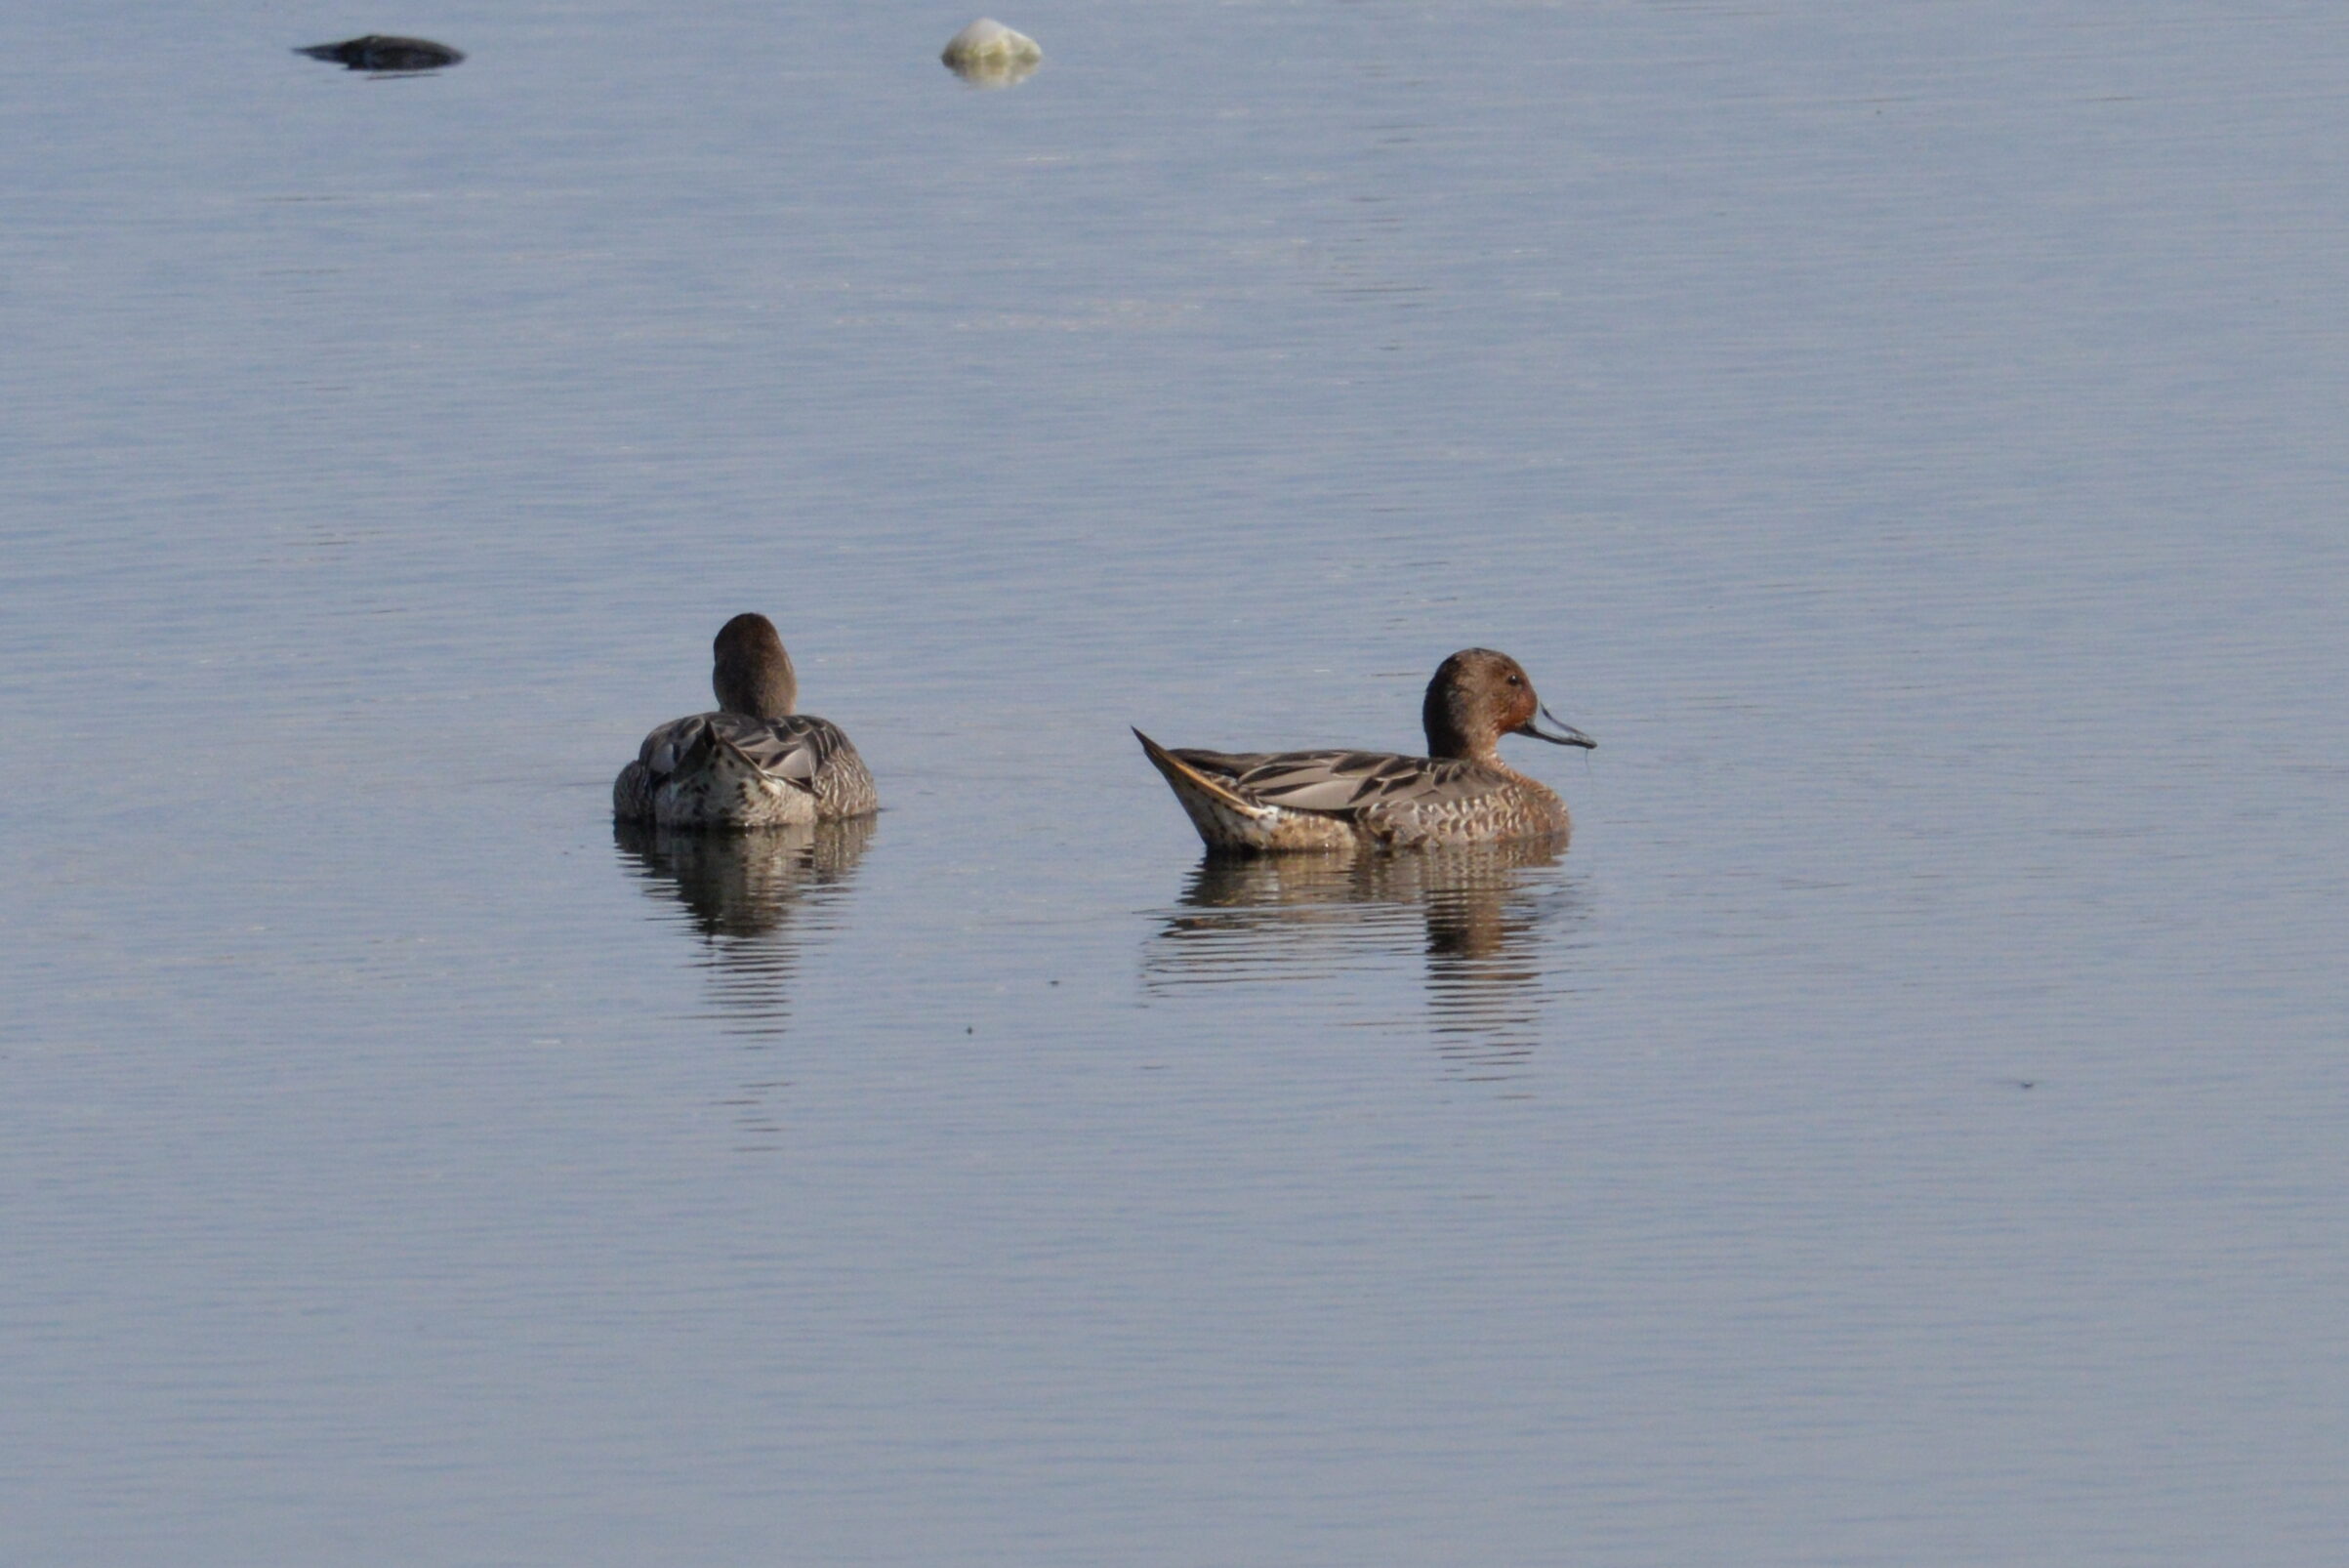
(1459,792)
(754,763)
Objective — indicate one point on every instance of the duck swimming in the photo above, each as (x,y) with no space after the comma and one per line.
(754,763)
(1459,792)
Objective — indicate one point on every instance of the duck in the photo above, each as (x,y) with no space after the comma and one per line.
(755,763)
(1460,792)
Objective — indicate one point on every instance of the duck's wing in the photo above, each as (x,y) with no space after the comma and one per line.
(1337,781)
(796,748)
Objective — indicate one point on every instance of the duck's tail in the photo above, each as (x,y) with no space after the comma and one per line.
(1188,780)
(715,783)
(709,748)
(1225,818)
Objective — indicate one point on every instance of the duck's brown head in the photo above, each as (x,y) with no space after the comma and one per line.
(753,673)
(1478,696)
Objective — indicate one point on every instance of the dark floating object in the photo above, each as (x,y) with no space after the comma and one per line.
(375,52)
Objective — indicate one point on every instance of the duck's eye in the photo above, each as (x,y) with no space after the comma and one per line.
(1516,680)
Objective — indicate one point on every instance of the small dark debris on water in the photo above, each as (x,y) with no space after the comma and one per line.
(376,53)
(2026,1083)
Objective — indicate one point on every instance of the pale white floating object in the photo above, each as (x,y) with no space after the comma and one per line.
(988,54)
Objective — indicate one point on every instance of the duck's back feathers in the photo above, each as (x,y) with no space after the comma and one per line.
(730,769)
(1339,781)
(792,747)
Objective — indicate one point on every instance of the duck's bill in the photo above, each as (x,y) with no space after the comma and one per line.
(1560,733)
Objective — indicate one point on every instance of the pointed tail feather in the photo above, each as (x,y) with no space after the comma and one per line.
(1187,779)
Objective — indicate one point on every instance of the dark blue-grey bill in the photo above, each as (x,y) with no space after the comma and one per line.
(1565,734)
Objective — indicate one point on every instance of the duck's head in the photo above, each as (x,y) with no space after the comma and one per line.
(1478,696)
(753,673)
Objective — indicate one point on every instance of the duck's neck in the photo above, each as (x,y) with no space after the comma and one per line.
(1449,740)
(763,689)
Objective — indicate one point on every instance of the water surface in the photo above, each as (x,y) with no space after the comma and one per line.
(1904,1126)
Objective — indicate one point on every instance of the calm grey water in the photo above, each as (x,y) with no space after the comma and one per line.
(1907,1128)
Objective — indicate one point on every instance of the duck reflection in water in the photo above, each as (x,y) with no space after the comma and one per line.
(754,898)
(1491,928)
